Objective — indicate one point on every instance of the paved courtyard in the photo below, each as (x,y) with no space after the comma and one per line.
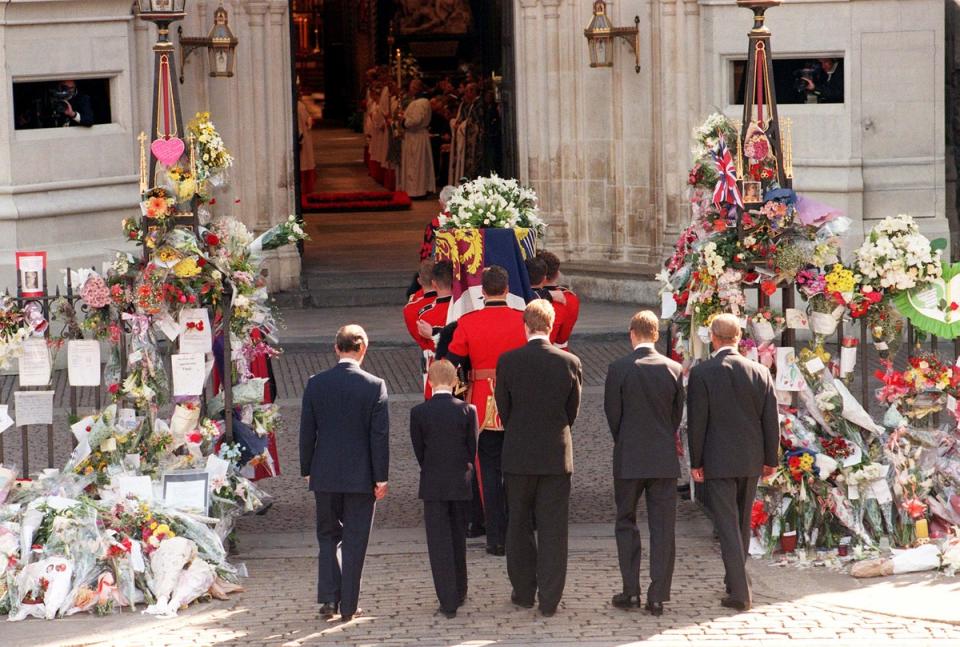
(799,606)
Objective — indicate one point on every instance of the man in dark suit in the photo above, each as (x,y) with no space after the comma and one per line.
(344,456)
(538,396)
(734,435)
(643,400)
(444,434)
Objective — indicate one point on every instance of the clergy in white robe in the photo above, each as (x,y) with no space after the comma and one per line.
(416,168)
(379,137)
(466,144)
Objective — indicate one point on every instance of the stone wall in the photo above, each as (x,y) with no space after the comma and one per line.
(608,149)
(66,190)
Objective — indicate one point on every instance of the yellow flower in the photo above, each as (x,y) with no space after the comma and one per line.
(88,470)
(186,188)
(187,268)
(840,279)
(167,255)
(153,525)
(806,462)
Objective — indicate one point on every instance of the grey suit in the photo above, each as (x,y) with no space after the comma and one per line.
(643,401)
(733,429)
(538,397)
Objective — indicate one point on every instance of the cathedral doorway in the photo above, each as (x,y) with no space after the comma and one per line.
(353,63)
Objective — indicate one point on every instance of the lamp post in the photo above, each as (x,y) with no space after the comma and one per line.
(220,43)
(601,33)
(166,130)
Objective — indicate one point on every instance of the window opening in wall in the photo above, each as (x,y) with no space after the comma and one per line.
(61,103)
(797,80)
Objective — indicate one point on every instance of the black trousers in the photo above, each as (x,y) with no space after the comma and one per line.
(446,525)
(489,450)
(343,522)
(537,563)
(730,502)
(661,498)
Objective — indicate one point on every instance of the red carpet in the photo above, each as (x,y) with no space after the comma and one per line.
(356,201)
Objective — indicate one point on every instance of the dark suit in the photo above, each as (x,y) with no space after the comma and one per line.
(444,434)
(733,430)
(643,400)
(538,396)
(345,450)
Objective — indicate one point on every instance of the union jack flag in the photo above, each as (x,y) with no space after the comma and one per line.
(726,190)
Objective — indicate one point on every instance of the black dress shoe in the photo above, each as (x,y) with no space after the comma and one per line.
(328,610)
(355,614)
(654,608)
(625,601)
(449,615)
(548,613)
(463,598)
(498,551)
(520,603)
(731,603)
(476,531)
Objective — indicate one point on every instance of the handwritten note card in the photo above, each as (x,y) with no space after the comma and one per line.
(33,407)
(83,362)
(189,373)
(35,363)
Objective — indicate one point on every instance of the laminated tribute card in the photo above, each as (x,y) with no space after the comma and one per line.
(187,490)
(83,362)
(33,407)
(789,377)
(35,363)
(195,334)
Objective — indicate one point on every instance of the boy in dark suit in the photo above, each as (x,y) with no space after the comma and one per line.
(444,434)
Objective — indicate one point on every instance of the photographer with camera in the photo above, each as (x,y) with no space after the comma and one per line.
(67,107)
(821,81)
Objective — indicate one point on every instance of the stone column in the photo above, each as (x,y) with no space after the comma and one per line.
(255,117)
(551,165)
(668,143)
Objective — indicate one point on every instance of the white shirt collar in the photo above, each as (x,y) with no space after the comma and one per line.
(538,336)
(348,360)
(439,391)
(645,344)
(732,349)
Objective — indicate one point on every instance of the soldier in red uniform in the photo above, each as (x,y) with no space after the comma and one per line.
(483,336)
(537,271)
(433,317)
(571,301)
(419,299)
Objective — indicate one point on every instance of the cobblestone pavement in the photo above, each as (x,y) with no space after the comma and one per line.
(278,549)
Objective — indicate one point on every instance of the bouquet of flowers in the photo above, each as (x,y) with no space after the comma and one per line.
(212,158)
(492,202)
(896,256)
(288,232)
(14,330)
(765,324)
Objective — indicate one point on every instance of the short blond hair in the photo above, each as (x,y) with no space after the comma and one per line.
(726,327)
(442,373)
(645,325)
(539,316)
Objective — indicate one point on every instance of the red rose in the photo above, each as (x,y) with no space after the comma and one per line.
(954,305)
(758,516)
(201,262)
(113,388)
(195,438)
(212,239)
(768,287)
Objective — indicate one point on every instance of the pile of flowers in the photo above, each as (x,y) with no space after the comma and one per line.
(843,480)
(492,202)
(82,539)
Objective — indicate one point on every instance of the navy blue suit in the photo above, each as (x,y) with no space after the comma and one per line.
(345,450)
(444,434)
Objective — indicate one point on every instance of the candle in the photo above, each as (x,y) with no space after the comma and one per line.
(143,162)
(922,531)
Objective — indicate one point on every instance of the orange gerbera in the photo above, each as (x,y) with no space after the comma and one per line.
(156,207)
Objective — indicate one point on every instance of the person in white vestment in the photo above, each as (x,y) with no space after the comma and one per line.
(416,168)
(379,137)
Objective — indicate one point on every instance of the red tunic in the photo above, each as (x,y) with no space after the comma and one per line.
(483,336)
(435,314)
(410,313)
(571,312)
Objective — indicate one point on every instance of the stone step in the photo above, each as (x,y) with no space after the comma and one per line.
(333,289)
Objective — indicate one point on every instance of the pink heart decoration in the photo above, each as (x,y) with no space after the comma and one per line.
(167,151)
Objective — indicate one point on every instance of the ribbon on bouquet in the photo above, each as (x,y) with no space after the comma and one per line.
(726,190)
(767,354)
(139,325)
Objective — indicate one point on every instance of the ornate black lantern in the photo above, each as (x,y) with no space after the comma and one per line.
(601,33)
